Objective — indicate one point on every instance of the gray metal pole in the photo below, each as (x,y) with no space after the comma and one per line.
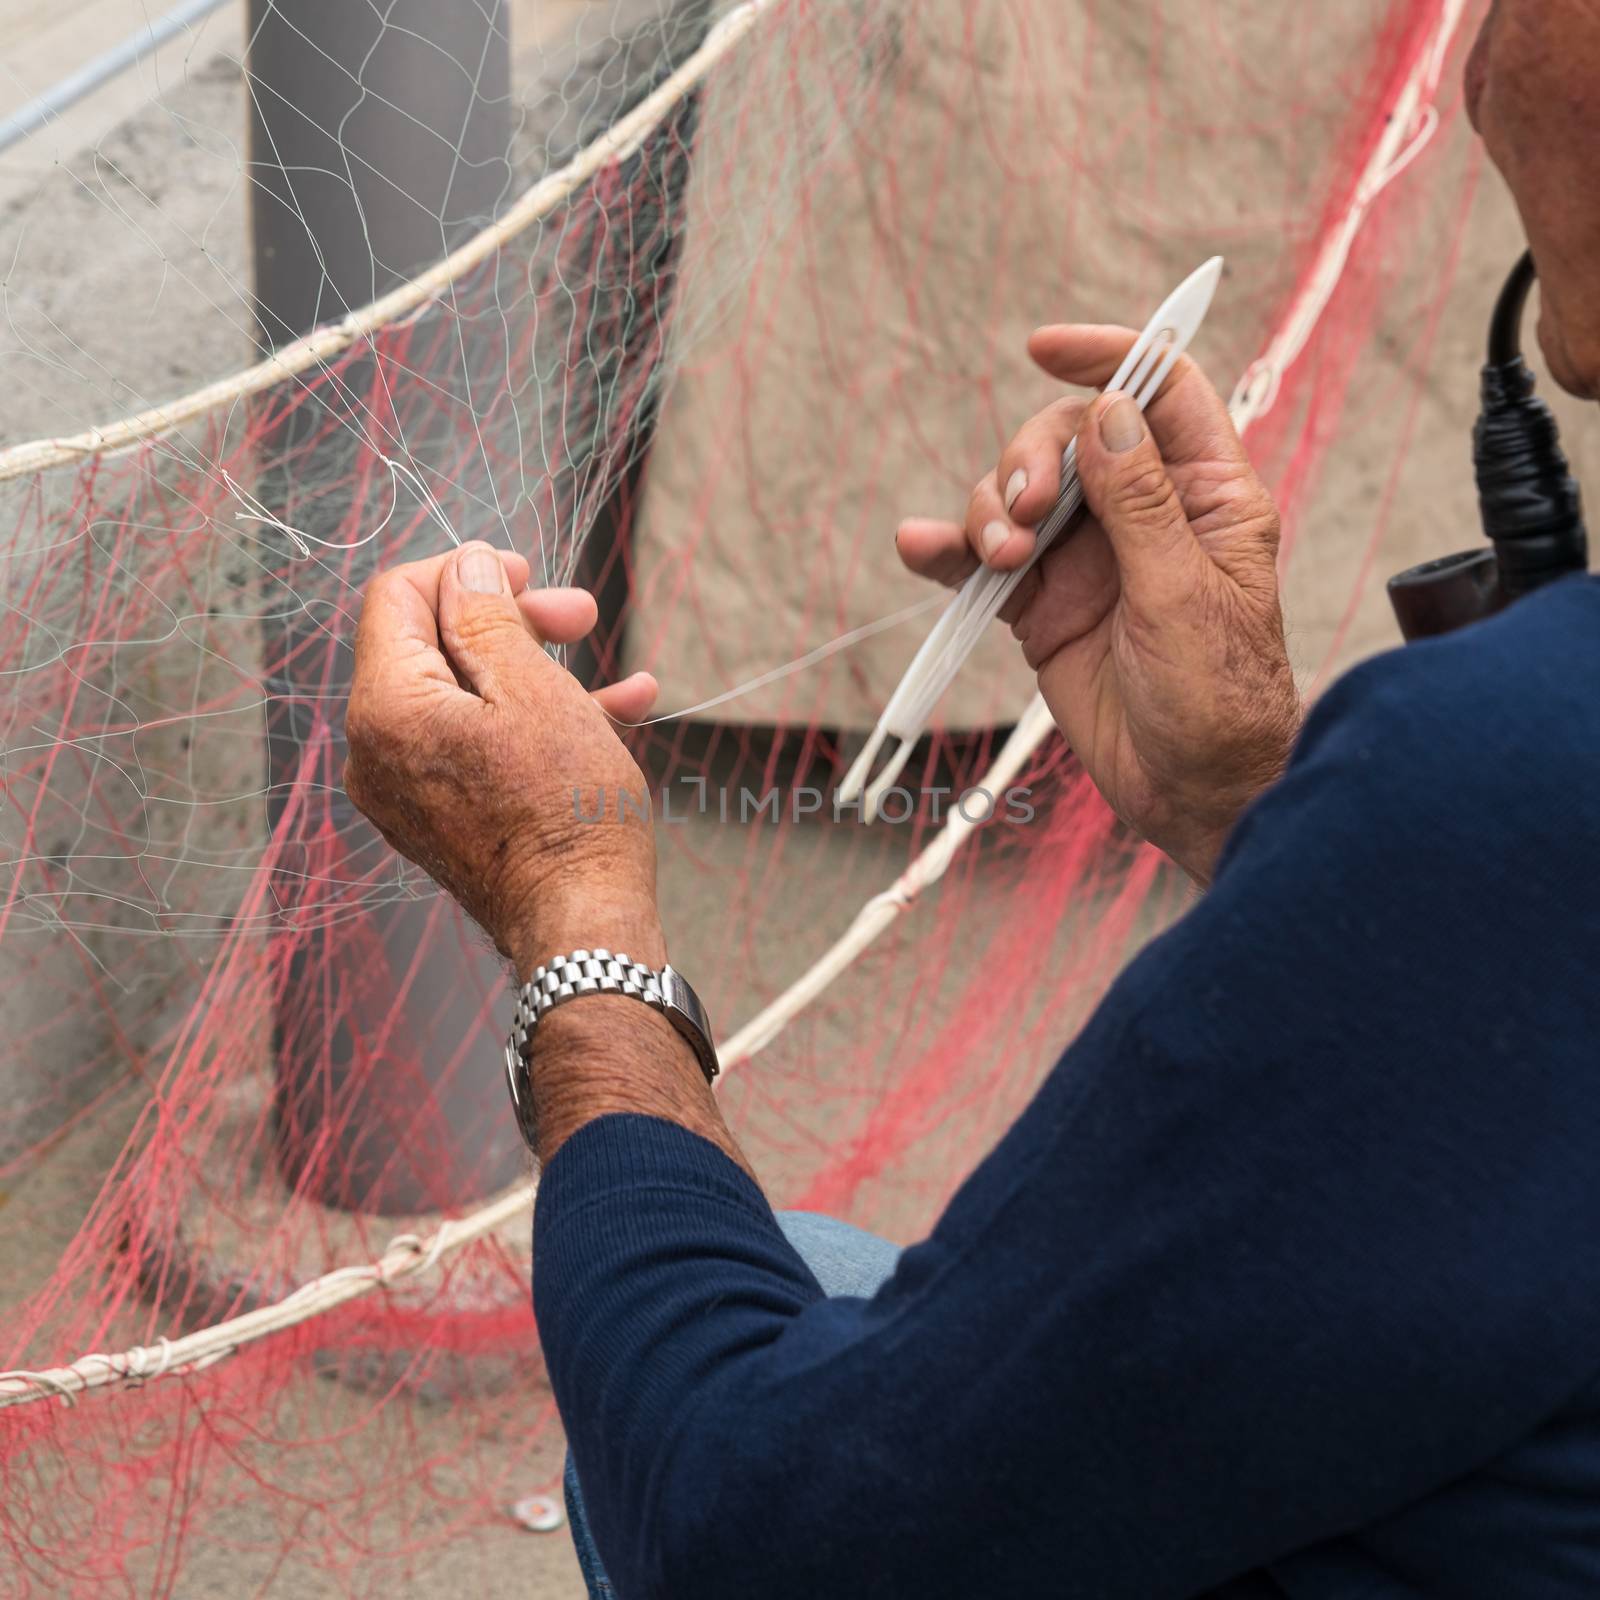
(379,138)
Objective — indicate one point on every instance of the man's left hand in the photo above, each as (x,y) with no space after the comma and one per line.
(467,743)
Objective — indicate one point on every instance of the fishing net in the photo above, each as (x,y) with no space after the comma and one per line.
(690,304)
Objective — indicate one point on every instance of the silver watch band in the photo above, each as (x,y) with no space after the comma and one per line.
(599,972)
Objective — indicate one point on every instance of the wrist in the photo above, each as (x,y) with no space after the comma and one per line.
(586,916)
(1198,847)
(1198,855)
(606,1054)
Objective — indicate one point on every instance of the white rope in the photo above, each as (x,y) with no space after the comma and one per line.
(619,141)
(1408,128)
(408,1255)
(883,910)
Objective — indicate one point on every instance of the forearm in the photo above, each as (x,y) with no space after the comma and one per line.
(608,1054)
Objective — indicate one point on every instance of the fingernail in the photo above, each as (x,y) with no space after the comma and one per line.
(480,570)
(1121,425)
(1015,484)
(993,539)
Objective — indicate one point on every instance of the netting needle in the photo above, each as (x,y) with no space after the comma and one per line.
(956,634)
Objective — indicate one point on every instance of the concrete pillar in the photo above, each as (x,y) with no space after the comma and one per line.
(378,140)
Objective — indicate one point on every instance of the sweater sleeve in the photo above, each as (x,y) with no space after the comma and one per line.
(1299,1229)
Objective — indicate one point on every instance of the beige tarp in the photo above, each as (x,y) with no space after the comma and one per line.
(852,339)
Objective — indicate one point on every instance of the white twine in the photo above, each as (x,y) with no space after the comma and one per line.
(301,541)
(790,669)
(1409,125)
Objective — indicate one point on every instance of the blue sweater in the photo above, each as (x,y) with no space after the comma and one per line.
(1287,1282)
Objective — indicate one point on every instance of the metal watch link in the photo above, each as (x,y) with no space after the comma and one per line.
(599,972)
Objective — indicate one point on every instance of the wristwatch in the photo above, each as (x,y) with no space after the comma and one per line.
(599,972)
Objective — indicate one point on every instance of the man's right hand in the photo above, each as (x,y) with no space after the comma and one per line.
(1155,629)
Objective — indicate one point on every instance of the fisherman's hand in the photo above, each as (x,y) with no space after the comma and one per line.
(1155,629)
(468,742)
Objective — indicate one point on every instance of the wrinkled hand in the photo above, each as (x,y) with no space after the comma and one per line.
(466,742)
(1155,629)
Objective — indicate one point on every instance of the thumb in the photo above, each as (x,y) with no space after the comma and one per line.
(480,624)
(1128,489)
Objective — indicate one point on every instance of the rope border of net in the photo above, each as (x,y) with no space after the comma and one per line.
(1412,120)
(322,344)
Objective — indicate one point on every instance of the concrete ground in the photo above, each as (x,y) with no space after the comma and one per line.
(84,277)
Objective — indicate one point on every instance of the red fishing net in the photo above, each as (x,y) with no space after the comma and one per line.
(758,288)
